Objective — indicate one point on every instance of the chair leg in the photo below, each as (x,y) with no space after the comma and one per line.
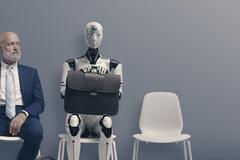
(59,149)
(185,150)
(63,149)
(189,150)
(135,149)
(114,150)
(39,154)
(111,151)
(111,155)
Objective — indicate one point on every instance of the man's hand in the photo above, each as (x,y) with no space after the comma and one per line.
(16,124)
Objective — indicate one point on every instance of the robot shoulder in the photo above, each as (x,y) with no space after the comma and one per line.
(71,63)
(81,57)
(114,63)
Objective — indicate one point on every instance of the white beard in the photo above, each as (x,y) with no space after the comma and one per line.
(15,57)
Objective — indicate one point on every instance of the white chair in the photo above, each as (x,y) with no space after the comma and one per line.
(63,139)
(161,122)
(16,139)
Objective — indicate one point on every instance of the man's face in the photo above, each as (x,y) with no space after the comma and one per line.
(10,48)
(94,36)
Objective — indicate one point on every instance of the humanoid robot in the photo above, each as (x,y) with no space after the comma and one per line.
(77,125)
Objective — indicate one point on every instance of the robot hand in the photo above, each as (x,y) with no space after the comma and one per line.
(86,68)
(102,70)
(119,95)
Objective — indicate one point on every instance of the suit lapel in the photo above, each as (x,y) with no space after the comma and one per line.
(21,79)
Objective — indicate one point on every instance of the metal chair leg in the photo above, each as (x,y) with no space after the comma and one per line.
(189,150)
(114,151)
(38,155)
(59,149)
(135,149)
(63,148)
(185,150)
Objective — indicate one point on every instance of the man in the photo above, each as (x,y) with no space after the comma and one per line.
(21,98)
(91,125)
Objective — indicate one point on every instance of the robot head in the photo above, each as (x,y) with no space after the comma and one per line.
(94,34)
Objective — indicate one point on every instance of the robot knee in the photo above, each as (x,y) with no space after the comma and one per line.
(74,120)
(106,124)
(73,124)
(106,121)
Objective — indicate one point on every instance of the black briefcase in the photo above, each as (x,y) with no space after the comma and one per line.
(92,93)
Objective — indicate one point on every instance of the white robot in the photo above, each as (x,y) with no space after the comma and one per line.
(90,125)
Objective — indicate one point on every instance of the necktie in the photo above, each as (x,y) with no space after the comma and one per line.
(10,93)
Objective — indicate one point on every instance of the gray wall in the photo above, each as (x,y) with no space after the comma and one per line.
(187,47)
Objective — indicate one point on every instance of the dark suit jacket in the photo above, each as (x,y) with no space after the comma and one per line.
(31,90)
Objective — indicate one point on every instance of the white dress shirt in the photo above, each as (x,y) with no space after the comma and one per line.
(18,94)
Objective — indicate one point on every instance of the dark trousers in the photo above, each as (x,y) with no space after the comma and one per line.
(31,132)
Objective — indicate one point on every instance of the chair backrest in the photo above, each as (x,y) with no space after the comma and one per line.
(161,114)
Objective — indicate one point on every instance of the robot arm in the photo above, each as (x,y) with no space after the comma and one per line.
(66,67)
(116,68)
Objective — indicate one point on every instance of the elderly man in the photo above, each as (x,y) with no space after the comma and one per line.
(21,98)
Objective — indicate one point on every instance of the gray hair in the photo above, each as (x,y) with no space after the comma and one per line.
(4,34)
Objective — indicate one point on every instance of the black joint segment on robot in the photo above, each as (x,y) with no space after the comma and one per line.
(71,63)
(113,64)
(106,131)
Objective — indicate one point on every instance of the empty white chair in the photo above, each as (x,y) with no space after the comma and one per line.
(63,139)
(15,139)
(161,122)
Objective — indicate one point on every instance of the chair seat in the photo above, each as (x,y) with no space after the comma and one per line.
(161,139)
(63,140)
(9,138)
(86,140)
(16,139)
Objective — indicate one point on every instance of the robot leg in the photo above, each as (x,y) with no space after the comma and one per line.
(105,145)
(74,127)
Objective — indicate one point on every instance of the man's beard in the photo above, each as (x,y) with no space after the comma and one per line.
(14,57)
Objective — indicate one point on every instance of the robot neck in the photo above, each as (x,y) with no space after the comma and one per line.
(93,55)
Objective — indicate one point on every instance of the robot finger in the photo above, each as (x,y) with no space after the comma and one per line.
(88,68)
(105,70)
(99,70)
(102,70)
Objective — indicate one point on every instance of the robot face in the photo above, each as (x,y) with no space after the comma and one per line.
(94,34)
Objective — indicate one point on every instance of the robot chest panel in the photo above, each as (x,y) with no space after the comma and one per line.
(105,63)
